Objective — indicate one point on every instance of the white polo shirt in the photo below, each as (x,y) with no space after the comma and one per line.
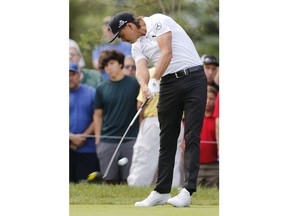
(184,54)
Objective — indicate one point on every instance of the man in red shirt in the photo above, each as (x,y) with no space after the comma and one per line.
(209,165)
(216,116)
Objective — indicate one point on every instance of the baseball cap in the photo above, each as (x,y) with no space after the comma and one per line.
(208,59)
(119,21)
(73,67)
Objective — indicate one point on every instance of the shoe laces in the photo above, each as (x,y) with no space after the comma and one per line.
(151,195)
(181,193)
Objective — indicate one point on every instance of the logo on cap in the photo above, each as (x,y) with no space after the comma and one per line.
(210,60)
(121,23)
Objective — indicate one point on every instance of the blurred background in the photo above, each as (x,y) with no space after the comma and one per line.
(200,19)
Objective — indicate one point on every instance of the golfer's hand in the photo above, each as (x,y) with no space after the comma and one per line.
(145,91)
(153,87)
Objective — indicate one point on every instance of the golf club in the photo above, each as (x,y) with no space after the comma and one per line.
(94,177)
(116,150)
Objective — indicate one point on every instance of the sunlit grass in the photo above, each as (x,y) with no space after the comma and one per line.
(85,193)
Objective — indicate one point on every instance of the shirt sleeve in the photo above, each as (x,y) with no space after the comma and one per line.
(98,102)
(137,52)
(161,26)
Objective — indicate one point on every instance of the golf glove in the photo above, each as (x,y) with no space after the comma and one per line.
(153,87)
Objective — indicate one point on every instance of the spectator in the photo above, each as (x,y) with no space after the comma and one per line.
(147,147)
(217,78)
(129,66)
(115,107)
(76,56)
(125,48)
(210,67)
(209,165)
(88,76)
(216,116)
(82,156)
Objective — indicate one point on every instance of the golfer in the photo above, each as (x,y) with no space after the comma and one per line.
(183,87)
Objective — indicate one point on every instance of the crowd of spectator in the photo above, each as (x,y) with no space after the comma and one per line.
(102,103)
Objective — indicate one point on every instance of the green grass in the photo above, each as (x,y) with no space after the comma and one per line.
(124,195)
(129,210)
(95,199)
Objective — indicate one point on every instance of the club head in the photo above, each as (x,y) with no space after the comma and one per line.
(94,177)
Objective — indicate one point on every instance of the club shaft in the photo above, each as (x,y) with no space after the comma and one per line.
(116,150)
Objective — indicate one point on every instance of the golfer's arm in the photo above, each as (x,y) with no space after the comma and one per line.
(165,45)
(142,73)
(97,124)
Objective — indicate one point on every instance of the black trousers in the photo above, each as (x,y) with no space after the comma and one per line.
(189,94)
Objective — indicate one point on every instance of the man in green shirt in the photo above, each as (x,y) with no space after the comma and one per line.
(115,106)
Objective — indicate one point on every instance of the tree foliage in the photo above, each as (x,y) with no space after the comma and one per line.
(200,19)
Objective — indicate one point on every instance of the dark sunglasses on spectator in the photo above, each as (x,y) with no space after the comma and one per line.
(128,66)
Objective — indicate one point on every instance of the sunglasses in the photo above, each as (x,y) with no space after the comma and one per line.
(72,54)
(133,67)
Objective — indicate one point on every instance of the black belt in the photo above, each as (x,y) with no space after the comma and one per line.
(182,73)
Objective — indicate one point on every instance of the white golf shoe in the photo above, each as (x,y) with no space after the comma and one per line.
(154,199)
(181,200)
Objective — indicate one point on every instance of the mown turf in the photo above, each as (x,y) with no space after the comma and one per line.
(129,210)
(124,195)
(95,199)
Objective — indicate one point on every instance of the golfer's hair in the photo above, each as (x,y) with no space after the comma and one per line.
(108,55)
(137,22)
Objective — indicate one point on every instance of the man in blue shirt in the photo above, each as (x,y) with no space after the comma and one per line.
(82,155)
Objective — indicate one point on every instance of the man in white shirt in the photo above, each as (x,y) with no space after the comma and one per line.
(162,41)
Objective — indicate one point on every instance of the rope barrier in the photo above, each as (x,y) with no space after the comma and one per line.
(134,138)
